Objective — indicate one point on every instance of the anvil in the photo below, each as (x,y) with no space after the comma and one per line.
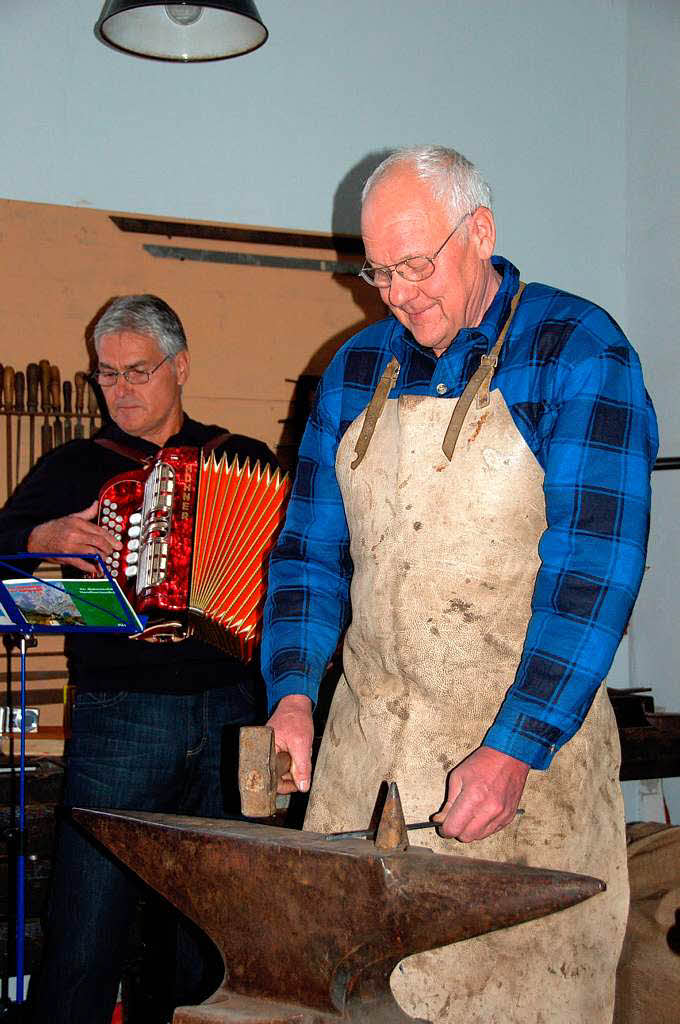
(310,931)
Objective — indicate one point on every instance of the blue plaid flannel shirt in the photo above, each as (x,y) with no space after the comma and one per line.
(574,387)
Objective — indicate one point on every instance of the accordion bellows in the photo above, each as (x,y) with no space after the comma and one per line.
(196,534)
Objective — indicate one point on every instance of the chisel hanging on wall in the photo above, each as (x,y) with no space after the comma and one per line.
(46,431)
(68,409)
(19,392)
(92,407)
(8,400)
(32,376)
(55,402)
(80,380)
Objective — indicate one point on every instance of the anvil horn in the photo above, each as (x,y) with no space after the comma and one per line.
(320,926)
(391,833)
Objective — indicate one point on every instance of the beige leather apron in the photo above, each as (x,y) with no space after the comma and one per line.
(445,558)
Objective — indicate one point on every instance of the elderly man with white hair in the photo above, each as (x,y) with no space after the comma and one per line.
(471,506)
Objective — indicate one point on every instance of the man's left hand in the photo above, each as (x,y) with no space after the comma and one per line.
(482,795)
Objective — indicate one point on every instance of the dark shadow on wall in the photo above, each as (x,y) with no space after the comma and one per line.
(346,220)
(346,226)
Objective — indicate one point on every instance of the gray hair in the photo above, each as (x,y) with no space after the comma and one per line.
(453,179)
(143,314)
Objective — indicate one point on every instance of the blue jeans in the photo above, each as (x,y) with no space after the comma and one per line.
(132,751)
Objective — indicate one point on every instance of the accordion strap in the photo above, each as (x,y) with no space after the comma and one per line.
(125,451)
(215,442)
(146,460)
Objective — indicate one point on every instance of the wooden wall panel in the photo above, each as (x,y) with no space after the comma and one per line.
(252,331)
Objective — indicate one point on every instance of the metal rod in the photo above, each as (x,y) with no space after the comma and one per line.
(370,833)
(21,857)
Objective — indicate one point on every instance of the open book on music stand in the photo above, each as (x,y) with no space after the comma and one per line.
(31,606)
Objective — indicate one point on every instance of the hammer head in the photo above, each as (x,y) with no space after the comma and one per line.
(259,771)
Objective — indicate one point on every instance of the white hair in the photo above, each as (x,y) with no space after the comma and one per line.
(453,179)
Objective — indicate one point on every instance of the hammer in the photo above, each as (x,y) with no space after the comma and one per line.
(259,771)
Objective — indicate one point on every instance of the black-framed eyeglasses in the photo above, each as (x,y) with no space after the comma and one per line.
(107,378)
(413,268)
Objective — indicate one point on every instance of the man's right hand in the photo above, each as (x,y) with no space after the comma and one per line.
(76,532)
(294,731)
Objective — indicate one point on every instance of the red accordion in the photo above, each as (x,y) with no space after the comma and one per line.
(196,535)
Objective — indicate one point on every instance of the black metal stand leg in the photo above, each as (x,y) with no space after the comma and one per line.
(13,1011)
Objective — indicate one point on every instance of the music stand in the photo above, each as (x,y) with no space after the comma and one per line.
(31,606)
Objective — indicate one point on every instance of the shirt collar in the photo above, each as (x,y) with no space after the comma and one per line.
(495,316)
(188,434)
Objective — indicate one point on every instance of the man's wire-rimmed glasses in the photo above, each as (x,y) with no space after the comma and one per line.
(107,378)
(413,268)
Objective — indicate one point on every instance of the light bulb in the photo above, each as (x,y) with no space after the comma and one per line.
(184,14)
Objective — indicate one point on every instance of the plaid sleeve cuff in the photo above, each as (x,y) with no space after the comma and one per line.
(521,730)
(298,685)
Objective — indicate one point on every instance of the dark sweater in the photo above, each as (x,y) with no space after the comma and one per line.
(67,480)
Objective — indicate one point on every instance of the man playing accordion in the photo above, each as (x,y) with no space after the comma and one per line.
(147,718)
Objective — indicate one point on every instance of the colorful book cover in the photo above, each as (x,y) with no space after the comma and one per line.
(90,603)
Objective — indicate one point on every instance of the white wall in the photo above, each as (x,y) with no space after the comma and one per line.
(653,203)
(534,91)
(570,109)
(653,323)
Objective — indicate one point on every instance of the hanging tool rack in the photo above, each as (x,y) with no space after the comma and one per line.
(39,412)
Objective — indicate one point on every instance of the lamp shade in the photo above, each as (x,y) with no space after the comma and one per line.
(181,31)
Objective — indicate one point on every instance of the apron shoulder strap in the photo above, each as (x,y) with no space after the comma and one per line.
(374,409)
(479,383)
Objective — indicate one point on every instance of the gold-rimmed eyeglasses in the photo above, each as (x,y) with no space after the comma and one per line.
(107,378)
(413,268)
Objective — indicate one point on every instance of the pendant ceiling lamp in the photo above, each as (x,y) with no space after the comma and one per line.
(181,32)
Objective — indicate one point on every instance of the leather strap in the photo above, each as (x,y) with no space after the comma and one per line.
(215,442)
(146,460)
(479,382)
(125,451)
(375,408)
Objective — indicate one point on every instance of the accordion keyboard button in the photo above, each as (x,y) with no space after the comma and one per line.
(131,570)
